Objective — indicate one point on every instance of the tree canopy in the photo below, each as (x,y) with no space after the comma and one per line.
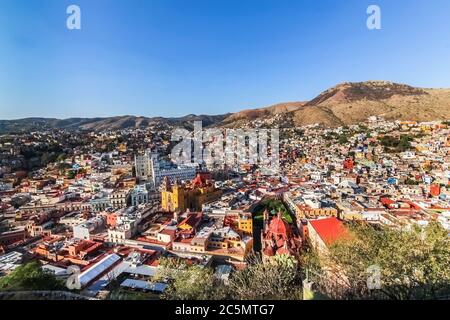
(407,264)
(189,282)
(30,277)
(277,279)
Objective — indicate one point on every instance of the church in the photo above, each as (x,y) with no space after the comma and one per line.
(278,237)
(183,196)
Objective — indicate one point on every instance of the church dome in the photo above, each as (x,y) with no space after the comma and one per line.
(278,226)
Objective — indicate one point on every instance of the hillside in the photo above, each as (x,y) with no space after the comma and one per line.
(103,124)
(245,116)
(351,103)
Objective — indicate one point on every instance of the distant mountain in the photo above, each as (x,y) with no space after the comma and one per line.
(101,124)
(344,104)
(351,103)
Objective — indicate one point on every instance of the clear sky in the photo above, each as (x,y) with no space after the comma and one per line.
(176,57)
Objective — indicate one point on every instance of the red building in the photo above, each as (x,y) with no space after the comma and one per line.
(435,190)
(349,164)
(324,232)
(278,237)
(12,237)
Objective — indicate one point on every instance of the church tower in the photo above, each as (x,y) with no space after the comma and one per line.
(265,219)
(178,197)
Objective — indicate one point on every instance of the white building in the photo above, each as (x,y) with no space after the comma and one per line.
(139,195)
(98,269)
(6,186)
(10,261)
(148,169)
(121,233)
(72,219)
(118,199)
(84,230)
(127,222)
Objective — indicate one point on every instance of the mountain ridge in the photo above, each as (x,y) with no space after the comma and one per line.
(344,104)
(354,102)
(104,123)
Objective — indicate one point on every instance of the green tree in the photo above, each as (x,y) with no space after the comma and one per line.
(413,264)
(343,139)
(61,157)
(30,277)
(411,182)
(396,144)
(191,283)
(277,279)
(71,174)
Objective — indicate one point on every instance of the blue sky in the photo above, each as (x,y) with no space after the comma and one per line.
(175,57)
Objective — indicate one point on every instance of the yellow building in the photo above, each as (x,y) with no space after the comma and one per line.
(173,198)
(240,220)
(123,147)
(359,155)
(245,223)
(227,239)
(180,197)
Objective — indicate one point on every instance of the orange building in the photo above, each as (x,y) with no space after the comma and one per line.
(82,248)
(240,221)
(435,190)
(111,219)
(82,252)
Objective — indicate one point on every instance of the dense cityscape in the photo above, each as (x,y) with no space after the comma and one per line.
(108,215)
(224,158)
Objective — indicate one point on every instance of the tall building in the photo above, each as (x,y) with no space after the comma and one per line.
(145,165)
(148,169)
